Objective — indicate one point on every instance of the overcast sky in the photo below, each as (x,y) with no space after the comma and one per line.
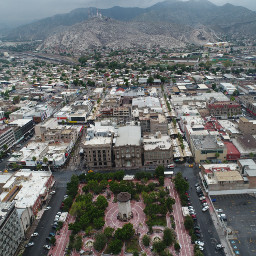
(15,12)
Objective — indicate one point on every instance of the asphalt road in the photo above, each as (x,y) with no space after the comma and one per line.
(45,224)
(208,231)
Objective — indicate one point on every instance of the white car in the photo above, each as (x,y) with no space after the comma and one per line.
(48,208)
(205,208)
(35,234)
(219,210)
(29,244)
(52,193)
(191,208)
(201,248)
(46,246)
(202,198)
(199,243)
(204,204)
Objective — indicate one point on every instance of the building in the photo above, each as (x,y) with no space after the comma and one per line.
(124,206)
(127,147)
(11,233)
(228,87)
(224,109)
(7,137)
(98,152)
(208,148)
(157,149)
(246,145)
(28,189)
(22,128)
(247,126)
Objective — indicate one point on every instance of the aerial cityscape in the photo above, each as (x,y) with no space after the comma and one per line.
(128,129)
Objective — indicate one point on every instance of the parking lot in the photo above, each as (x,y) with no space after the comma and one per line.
(241,218)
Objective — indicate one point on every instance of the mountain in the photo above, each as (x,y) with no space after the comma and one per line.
(98,32)
(226,19)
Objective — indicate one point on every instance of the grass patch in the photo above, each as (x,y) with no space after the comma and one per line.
(157,221)
(132,245)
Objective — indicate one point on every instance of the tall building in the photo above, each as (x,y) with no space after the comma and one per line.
(7,137)
(11,233)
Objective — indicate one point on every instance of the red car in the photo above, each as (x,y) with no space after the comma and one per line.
(193,216)
(203,201)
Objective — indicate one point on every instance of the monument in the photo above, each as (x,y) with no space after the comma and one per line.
(124,206)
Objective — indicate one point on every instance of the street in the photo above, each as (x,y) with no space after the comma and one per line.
(44,226)
(209,233)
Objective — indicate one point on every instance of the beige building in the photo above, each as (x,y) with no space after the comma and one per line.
(127,147)
(208,148)
(98,152)
(157,149)
(159,123)
(247,126)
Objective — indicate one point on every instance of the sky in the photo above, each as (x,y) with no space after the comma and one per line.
(18,12)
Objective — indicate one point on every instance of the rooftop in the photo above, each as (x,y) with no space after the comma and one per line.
(123,197)
(128,135)
(228,176)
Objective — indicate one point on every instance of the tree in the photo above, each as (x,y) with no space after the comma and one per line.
(161,180)
(150,80)
(188,223)
(98,223)
(159,171)
(108,232)
(159,246)
(168,237)
(78,243)
(146,240)
(16,100)
(101,202)
(251,155)
(198,253)
(5,147)
(176,246)
(53,240)
(45,160)
(115,246)
(38,166)
(100,242)
(217,154)
(34,158)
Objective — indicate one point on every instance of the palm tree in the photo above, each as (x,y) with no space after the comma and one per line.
(34,158)
(45,160)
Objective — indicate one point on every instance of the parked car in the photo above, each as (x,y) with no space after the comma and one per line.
(202,198)
(29,244)
(222,216)
(219,247)
(197,231)
(199,243)
(197,184)
(190,207)
(35,234)
(197,227)
(170,166)
(59,213)
(46,246)
(205,208)
(219,211)
(203,201)
(48,238)
(52,192)
(51,234)
(201,248)
(205,204)
(48,208)
(190,165)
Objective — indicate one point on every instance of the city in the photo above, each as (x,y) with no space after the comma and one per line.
(128,151)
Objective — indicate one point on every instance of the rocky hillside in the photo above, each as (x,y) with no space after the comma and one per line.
(226,18)
(111,33)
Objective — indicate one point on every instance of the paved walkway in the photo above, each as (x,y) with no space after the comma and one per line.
(187,249)
(62,239)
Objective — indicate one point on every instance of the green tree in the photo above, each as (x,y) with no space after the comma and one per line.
(45,160)
(78,243)
(146,240)
(159,247)
(217,154)
(188,223)
(98,223)
(150,80)
(115,246)
(159,171)
(108,232)
(101,202)
(176,246)
(16,100)
(161,180)
(5,147)
(100,242)
(53,240)
(168,237)
(34,158)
